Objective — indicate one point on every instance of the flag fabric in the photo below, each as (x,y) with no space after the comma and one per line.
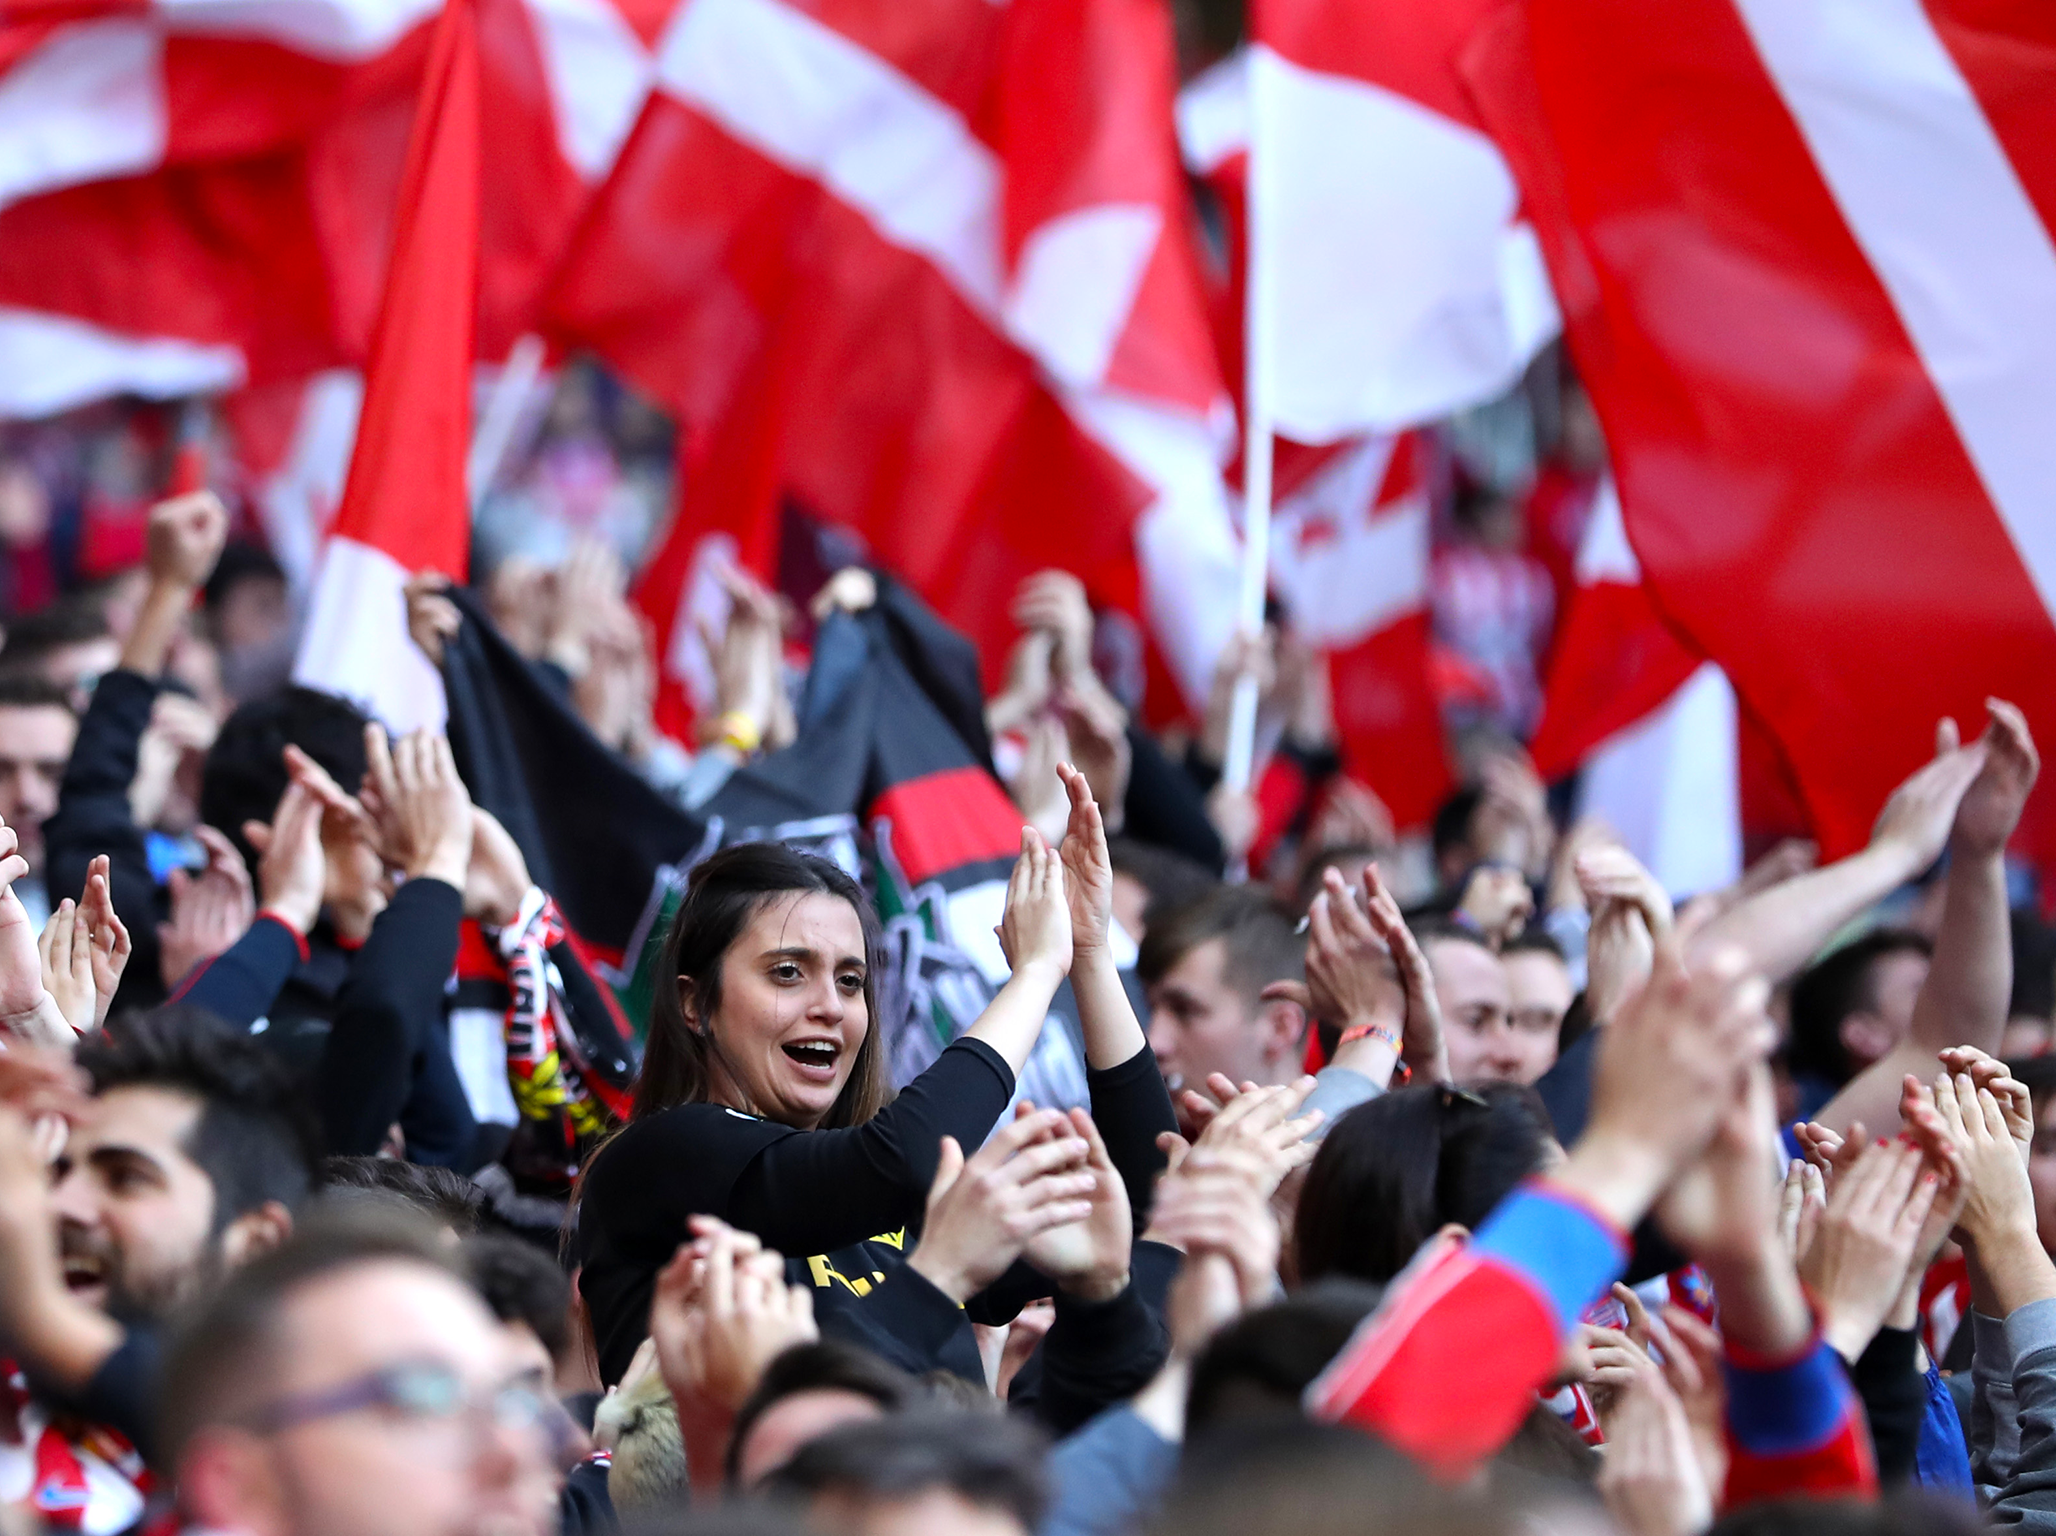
(192,197)
(1651,724)
(1805,258)
(405,507)
(1349,561)
(1394,278)
(928,282)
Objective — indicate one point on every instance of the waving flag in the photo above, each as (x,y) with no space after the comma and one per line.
(1349,560)
(194,196)
(1396,280)
(1651,723)
(405,506)
(927,281)
(1806,260)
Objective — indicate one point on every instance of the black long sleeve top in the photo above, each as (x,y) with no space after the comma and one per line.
(93,817)
(840,1203)
(387,1055)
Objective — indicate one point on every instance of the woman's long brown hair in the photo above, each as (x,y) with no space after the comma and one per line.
(723,896)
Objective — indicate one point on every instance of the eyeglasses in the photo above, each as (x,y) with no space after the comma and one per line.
(419,1391)
(1448,1097)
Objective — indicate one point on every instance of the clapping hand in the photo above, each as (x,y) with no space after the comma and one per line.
(210,907)
(1035,930)
(419,803)
(1031,1177)
(1088,1258)
(721,1312)
(1088,870)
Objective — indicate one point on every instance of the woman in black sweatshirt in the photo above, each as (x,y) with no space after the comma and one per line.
(759,1100)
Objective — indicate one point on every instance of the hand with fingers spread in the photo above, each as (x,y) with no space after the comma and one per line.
(1035,930)
(1088,1258)
(108,934)
(423,809)
(1651,1477)
(1858,1260)
(66,952)
(983,1211)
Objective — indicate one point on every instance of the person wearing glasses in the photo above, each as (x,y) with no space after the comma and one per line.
(353,1383)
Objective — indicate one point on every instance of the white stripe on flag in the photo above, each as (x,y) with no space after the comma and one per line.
(1399,284)
(1670,786)
(87,104)
(356,643)
(599,75)
(342,30)
(811,100)
(51,363)
(1940,213)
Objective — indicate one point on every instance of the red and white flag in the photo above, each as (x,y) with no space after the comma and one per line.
(1651,723)
(405,506)
(924,281)
(1349,560)
(195,194)
(1805,254)
(1395,279)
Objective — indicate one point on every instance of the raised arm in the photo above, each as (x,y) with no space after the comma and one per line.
(1128,1093)
(1968,987)
(1781,928)
(1035,934)
(1667,1077)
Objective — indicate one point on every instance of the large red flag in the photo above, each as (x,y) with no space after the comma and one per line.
(892,283)
(193,197)
(405,506)
(1805,258)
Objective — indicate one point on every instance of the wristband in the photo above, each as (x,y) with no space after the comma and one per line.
(1402,1074)
(1384,1032)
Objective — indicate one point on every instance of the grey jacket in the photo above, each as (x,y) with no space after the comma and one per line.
(2013,1416)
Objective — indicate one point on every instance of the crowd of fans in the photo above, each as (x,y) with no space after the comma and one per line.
(1499,1189)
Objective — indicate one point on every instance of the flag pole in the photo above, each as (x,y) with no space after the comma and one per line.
(1256,481)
